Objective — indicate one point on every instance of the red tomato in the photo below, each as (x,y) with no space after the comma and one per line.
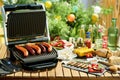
(90,70)
(71,17)
(89,55)
(94,66)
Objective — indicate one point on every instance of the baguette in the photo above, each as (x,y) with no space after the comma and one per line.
(114,60)
(103,53)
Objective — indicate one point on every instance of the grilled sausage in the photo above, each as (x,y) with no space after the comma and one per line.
(31,50)
(23,50)
(47,45)
(36,48)
(43,48)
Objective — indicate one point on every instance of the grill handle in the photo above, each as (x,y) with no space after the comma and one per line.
(22,6)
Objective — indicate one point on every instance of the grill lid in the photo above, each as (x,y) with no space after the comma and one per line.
(25,23)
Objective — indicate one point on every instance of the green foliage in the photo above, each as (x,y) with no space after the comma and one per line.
(18,2)
(58,28)
(107,11)
(8,2)
(63,9)
(24,1)
(0,18)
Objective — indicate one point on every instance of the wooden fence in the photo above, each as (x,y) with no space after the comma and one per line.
(106,19)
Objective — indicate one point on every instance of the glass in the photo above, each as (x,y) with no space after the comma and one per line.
(82,32)
(88,42)
(98,44)
(112,35)
(104,41)
(91,32)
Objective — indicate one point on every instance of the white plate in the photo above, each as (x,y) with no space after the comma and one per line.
(66,53)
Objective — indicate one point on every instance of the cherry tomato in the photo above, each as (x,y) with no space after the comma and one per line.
(90,70)
(94,66)
(89,55)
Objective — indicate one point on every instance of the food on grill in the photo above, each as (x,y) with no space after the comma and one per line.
(47,45)
(36,48)
(30,50)
(43,48)
(23,50)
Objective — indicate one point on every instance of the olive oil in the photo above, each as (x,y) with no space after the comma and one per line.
(90,29)
(82,32)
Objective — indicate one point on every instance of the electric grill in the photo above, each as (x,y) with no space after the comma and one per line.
(27,23)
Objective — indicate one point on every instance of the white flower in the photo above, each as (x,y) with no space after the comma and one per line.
(97,9)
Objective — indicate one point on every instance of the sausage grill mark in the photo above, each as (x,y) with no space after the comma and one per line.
(34,48)
(23,50)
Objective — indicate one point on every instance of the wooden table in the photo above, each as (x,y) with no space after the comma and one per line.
(58,72)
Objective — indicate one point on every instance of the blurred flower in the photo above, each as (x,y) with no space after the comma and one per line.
(48,4)
(58,17)
(97,9)
(101,29)
(71,17)
(1,3)
(75,8)
(95,18)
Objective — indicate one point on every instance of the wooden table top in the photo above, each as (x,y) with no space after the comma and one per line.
(59,72)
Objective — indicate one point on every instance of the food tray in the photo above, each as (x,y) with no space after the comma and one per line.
(83,69)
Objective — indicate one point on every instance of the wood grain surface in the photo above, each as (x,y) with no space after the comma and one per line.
(57,73)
